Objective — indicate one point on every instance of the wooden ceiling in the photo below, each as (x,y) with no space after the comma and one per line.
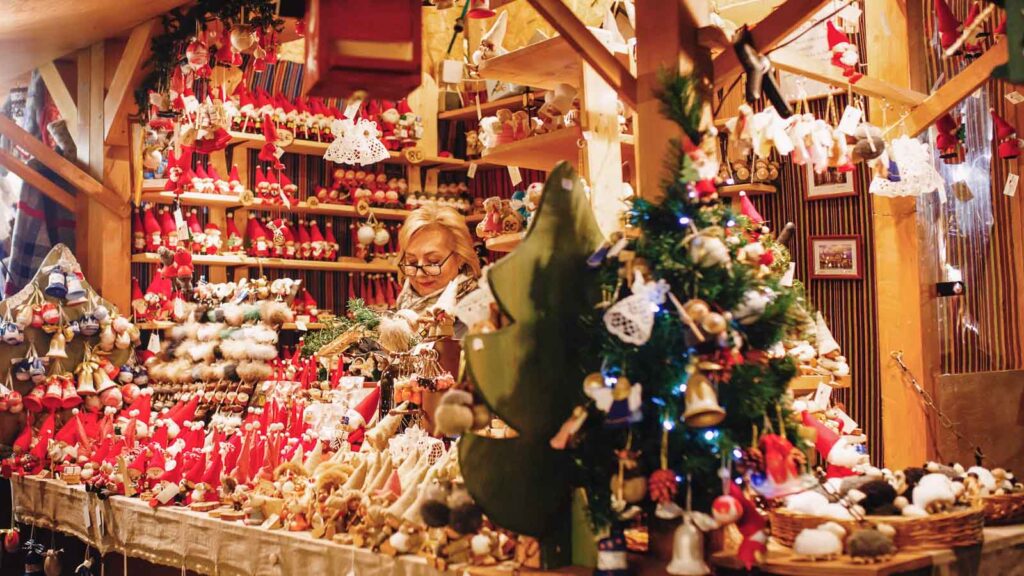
(33,32)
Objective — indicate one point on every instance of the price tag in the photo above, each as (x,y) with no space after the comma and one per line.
(179,223)
(353,109)
(1015,97)
(850,120)
(154,343)
(479,112)
(86,516)
(471,172)
(1011,185)
(513,173)
(822,396)
(849,425)
(301,326)
(167,494)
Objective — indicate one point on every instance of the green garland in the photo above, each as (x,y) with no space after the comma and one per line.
(180,25)
(752,394)
(358,314)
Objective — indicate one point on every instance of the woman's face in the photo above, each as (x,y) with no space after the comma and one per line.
(431,245)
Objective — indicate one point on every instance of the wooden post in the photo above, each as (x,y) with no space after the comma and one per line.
(663,47)
(906,305)
(602,161)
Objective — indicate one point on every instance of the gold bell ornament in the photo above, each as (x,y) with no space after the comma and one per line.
(107,337)
(688,541)
(51,562)
(57,345)
(687,550)
(702,409)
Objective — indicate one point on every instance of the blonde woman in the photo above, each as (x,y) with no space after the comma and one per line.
(436,248)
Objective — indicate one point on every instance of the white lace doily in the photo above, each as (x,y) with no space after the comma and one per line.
(356,143)
(916,170)
(632,318)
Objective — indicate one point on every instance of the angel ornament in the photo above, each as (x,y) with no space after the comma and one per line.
(632,318)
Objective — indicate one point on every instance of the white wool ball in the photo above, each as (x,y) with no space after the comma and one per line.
(809,502)
(481,545)
(817,542)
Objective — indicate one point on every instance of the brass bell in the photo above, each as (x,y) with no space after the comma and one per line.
(57,344)
(687,551)
(702,409)
(85,382)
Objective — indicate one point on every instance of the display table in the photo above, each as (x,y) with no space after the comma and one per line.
(1001,554)
(180,537)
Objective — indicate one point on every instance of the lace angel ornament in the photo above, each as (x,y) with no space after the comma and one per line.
(632,318)
(356,143)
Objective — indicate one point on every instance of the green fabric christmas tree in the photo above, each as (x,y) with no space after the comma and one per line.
(529,372)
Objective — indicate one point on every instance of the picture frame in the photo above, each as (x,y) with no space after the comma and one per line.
(829,184)
(837,257)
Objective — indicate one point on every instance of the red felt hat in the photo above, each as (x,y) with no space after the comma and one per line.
(161,436)
(269,130)
(949,26)
(314,232)
(139,463)
(233,177)
(747,209)
(835,36)
(403,107)
(44,437)
(137,223)
(194,475)
(233,230)
(287,185)
(157,462)
(260,178)
(150,224)
(136,290)
(160,286)
(186,413)
(272,179)
(302,233)
(172,471)
(1003,128)
(167,223)
(212,173)
(211,476)
(193,222)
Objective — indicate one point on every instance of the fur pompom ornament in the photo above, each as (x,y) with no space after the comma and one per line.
(275,313)
(454,415)
(234,315)
(396,334)
(253,371)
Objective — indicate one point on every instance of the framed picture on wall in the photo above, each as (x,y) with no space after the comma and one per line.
(836,257)
(829,184)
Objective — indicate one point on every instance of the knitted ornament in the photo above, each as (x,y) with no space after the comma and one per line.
(662,485)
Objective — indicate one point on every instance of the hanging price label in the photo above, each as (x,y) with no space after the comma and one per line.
(1010,189)
(822,396)
(513,173)
(850,120)
(154,343)
(471,172)
(1015,97)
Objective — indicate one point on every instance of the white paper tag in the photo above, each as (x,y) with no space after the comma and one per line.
(167,494)
(179,223)
(154,343)
(1015,97)
(849,425)
(822,396)
(352,109)
(86,516)
(301,326)
(471,172)
(479,112)
(1011,185)
(850,120)
(4,390)
(513,173)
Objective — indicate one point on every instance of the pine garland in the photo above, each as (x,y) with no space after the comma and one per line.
(358,314)
(751,390)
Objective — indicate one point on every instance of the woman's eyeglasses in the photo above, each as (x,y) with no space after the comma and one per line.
(429,269)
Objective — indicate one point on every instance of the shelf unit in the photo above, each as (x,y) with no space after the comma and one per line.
(153,191)
(542,151)
(504,242)
(344,264)
(166,324)
(517,102)
(244,140)
(544,64)
(752,189)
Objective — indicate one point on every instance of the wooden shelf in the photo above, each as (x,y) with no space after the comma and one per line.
(488,108)
(806,383)
(543,151)
(256,141)
(754,189)
(504,242)
(544,64)
(165,324)
(153,192)
(345,264)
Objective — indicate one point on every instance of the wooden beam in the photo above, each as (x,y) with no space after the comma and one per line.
(867,85)
(589,48)
(905,300)
(65,169)
(775,27)
(120,97)
(37,180)
(955,89)
(59,93)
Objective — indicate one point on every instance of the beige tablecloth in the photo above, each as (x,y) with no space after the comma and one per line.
(180,537)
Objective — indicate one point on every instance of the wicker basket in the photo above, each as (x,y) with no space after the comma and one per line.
(1004,509)
(961,527)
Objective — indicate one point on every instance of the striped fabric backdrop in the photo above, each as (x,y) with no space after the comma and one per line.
(974,237)
(848,305)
